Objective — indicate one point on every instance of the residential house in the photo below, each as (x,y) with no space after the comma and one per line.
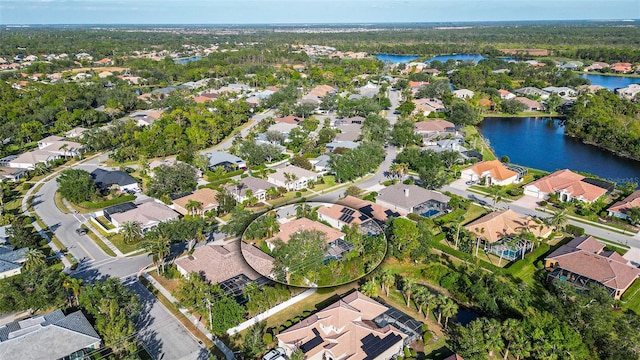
(530,105)
(30,159)
(506,95)
(413,199)
(572,65)
(428,129)
(562,91)
(621,67)
(50,336)
(335,123)
(321,163)
(12,174)
(118,179)
(228,161)
(148,215)
(283,128)
(500,224)
(289,228)
(584,261)
(463,93)
(428,105)
(225,265)
(349,132)
(146,117)
(350,328)
(75,133)
(317,93)
(248,187)
(567,184)
(332,146)
(339,216)
(4,234)
(620,208)
(494,172)
(432,72)
(292,177)
(290,119)
(105,74)
(373,210)
(11,260)
(115,209)
(590,88)
(597,66)
(447,145)
(207,198)
(630,92)
(532,91)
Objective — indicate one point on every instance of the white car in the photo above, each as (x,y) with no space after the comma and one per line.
(275,354)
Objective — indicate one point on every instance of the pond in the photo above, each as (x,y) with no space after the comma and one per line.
(540,143)
(395,59)
(611,82)
(186,60)
(465,316)
(458,57)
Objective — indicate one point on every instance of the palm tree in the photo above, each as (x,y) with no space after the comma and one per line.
(399,170)
(194,207)
(289,178)
(419,296)
(159,248)
(386,279)
(429,301)
(75,285)
(408,286)
(559,219)
(297,355)
(442,299)
(271,226)
(449,309)
(199,237)
(492,335)
(40,168)
(131,232)
(511,331)
(370,288)
(35,258)
(497,194)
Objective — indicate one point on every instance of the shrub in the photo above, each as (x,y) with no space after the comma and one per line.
(26,186)
(288,323)
(543,203)
(428,335)
(408,182)
(407,351)
(515,191)
(107,203)
(245,175)
(298,194)
(267,338)
(574,230)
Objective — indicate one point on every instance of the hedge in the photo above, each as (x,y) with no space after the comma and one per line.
(462,255)
(107,203)
(211,176)
(574,230)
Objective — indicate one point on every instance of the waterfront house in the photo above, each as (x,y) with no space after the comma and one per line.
(562,91)
(532,91)
(292,177)
(506,95)
(630,92)
(622,67)
(431,128)
(597,66)
(620,208)
(494,172)
(568,185)
(584,261)
(407,199)
(530,105)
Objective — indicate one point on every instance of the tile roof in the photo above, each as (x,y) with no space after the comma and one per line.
(299,172)
(528,102)
(303,224)
(106,178)
(294,120)
(219,262)
(369,208)
(337,212)
(627,203)
(205,196)
(260,261)
(147,214)
(409,196)
(605,268)
(496,169)
(433,125)
(570,182)
(345,330)
(496,225)
(250,183)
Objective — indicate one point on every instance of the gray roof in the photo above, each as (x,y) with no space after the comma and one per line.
(530,91)
(49,336)
(3,233)
(106,178)
(8,254)
(342,144)
(409,196)
(321,161)
(218,157)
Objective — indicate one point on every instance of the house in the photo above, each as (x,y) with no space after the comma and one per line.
(119,179)
(75,133)
(532,91)
(506,95)
(205,197)
(148,215)
(224,264)
(590,88)
(413,199)
(146,117)
(567,184)
(116,209)
(321,163)
(4,234)
(292,177)
(572,65)
(315,95)
(494,172)
(332,146)
(619,209)
(292,227)
(11,174)
(336,123)
(630,92)
(30,159)
(447,145)
(373,210)
(349,132)
(50,336)
(584,261)
(431,128)
(428,105)
(228,161)
(621,67)
(11,260)
(283,128)
(562,91)
(530,105)
(248,187)
(339,216)
(350,328)
(597,66)
(463,93)
(500,224)
(294,120)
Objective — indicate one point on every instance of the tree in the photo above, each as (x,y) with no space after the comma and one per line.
(74,286)
(461,113)
(76,185)
(35,258)
(399,170)
(448,309)
(131,232)
(404,235)
(553,102)
(169,180)
(253,344)
(633,214)
(512,106)
(386,280)
(240,219)
(497,194)
(22,235)
(226,201)
(194,207)
(558,219)
(159,248)
(403,133)
(511,333)
(370,288)
(303,253)
(226,313)
(408,286)
(297,355)
(406,108)
(301,162)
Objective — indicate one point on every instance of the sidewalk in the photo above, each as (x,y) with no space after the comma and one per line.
(104,239)
(271,311)
(222,346)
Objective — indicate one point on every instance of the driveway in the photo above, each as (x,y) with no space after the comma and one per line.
(528,202)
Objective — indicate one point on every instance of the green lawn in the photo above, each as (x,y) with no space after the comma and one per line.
(99,242)
(631,298)
(60,203)
(105,223)
(473,212)
(118,241)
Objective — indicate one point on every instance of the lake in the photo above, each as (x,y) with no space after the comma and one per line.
(610,82)
(395,59)
(186,60)
(540,143)
(458,57)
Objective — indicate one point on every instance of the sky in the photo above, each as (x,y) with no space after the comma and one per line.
(307,11)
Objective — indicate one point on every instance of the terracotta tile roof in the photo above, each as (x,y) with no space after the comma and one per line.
(321,90)
(341,329)
(303,224)
(608,270)
(260,261)
(335,212)
(433,125)
(205,196)
(288,120)
(531,104)
(455,357)
(201,99)
(570,182)
(218,262)
(369,208)
(627,203)
(496,169)
(496,225)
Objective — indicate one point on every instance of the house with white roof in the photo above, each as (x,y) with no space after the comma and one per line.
(148,215)
(292,177)
(463,93)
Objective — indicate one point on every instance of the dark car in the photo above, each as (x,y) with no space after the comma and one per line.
(81,231)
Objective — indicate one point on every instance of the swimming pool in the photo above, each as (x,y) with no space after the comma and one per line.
(430,213)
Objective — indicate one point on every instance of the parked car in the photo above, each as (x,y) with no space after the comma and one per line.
(470,182)
(275,354)
(81,231)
